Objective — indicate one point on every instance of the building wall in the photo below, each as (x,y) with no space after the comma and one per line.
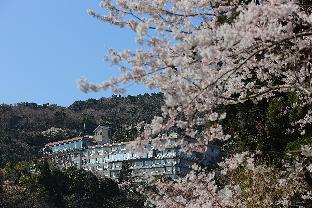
(108,159)
(62,147)
(102,135)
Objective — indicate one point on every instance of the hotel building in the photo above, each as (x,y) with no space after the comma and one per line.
(98,154)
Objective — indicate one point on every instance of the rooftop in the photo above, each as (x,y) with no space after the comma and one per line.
(64,141)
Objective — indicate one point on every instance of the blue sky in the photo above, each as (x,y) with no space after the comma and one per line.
(46,46)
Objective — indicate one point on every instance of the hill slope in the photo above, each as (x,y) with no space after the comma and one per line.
(26,127)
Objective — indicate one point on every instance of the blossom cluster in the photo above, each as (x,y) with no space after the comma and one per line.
(200,62)
(239,183)
(204,54)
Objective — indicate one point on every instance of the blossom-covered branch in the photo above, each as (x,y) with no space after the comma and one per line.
(205,54)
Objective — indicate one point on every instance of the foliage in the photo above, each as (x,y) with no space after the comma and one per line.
(125,173)
(44,186)
(266,127)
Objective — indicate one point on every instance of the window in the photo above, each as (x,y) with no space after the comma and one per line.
(169,169)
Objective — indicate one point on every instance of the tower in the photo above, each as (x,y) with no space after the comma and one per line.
(102,134)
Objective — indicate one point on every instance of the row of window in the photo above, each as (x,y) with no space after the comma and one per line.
(141,163)
(129,156)
(148,163)
(158,170)
(67,146)
(111,150)
(103,150)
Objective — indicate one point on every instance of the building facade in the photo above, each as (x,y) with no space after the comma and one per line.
(99,155)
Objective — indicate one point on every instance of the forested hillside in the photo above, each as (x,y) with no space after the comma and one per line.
(26,127)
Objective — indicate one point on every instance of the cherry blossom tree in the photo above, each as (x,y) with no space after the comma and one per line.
(205,54)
